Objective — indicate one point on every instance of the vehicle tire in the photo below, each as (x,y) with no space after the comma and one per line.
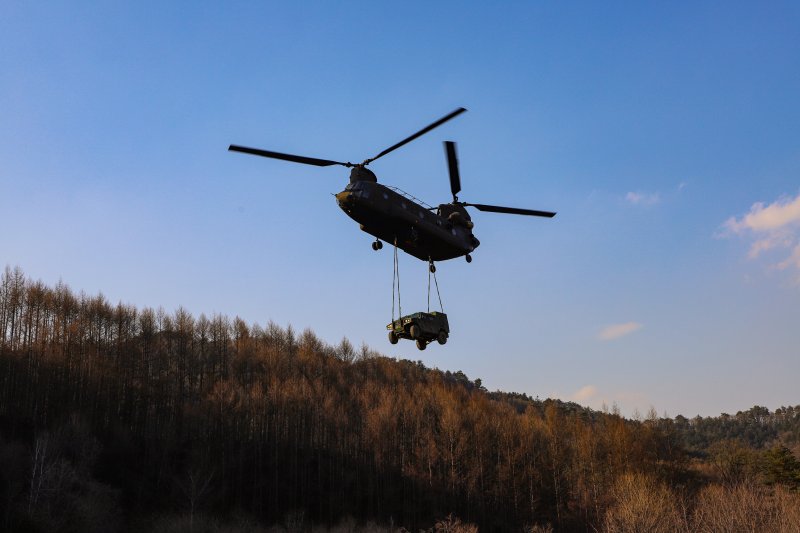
(421,344)
(414,331)
(393,337)
(442,338)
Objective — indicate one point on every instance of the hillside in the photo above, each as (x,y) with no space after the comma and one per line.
(114,418)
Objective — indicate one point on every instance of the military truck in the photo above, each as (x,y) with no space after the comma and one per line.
(423,328)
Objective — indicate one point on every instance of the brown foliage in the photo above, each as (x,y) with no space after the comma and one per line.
(746,508)
(213,413)
(641,504)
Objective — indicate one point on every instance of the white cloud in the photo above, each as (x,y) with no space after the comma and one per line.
(615,331)
(643,198)
(779,214)
(773,227)
(584,393)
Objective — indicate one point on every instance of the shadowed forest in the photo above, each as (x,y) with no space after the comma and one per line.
(114,418)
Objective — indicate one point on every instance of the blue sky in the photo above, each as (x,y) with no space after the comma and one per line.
(666,135)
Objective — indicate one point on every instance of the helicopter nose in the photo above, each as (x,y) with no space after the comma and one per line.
(345,199)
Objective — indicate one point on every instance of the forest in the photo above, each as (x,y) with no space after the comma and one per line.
(114,418)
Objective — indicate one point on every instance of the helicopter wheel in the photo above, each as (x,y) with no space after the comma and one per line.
(377,245)
(421,344)
(468,258)
(432,267)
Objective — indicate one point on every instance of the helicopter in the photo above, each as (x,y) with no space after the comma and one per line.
(396,217)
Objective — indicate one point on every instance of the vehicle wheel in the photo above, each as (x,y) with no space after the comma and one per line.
(469,258)
(433,267)
(393,337)
(421,344)
(442,338)
(414,331)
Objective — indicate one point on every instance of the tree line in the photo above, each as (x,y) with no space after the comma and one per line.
(112,418)
(756,428)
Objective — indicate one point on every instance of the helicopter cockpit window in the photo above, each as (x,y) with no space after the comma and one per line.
(358,189)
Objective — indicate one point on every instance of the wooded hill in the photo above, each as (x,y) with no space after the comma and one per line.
(755,428)
(119,419)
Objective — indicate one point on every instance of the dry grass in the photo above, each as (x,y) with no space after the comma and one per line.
(642,504)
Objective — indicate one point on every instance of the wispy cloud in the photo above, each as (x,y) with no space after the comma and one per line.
(772,227)
(592,396)
(777,239)
(793,261)
(616,331)
(584,393)
(643,198)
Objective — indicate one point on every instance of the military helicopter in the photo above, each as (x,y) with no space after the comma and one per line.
(395,217)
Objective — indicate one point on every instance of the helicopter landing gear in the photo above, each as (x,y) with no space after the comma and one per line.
(468,258)
(377,245)
(431,266)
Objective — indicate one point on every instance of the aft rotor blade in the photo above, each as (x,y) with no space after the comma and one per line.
(452,166)
(421,132)
(287,157)
(512,210)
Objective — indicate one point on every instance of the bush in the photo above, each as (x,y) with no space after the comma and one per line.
(642,504)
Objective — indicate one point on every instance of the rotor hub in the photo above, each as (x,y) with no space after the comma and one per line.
(362,173)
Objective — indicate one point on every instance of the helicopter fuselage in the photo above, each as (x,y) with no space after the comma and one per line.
(392,216)
(419,230)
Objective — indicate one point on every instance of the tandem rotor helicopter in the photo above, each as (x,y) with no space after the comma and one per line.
(391,215)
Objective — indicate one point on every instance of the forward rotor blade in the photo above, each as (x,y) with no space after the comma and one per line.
(452,166)
(512,210)
(421,132)
(287,157)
